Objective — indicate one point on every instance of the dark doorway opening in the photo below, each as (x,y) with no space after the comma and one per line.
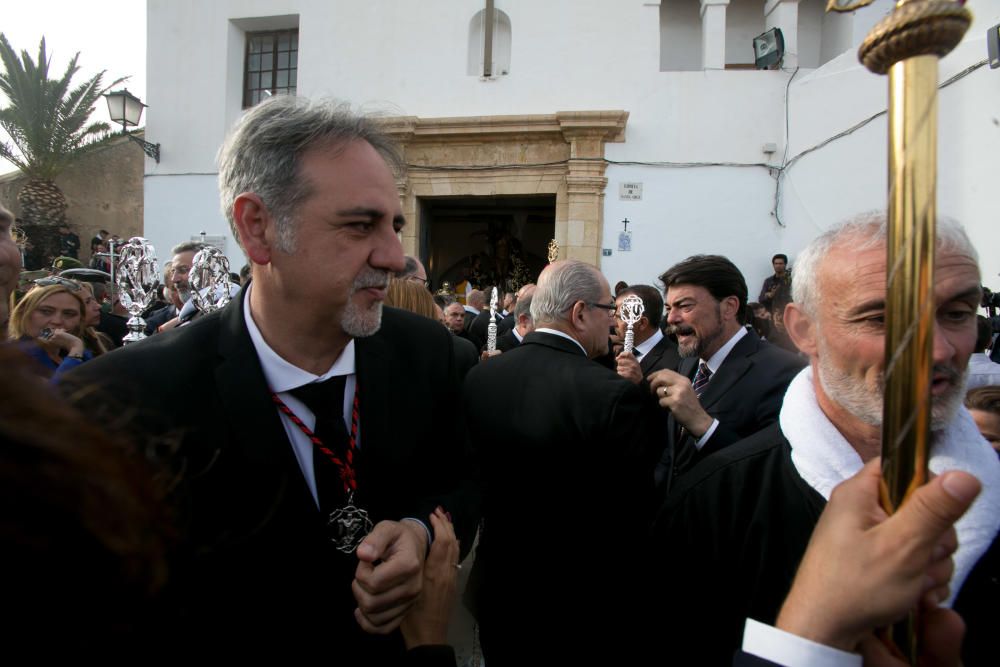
(499,240)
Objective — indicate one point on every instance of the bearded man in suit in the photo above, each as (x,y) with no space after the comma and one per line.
(729,385)
(290,424)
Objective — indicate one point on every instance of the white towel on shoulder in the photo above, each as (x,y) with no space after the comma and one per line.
(824,459)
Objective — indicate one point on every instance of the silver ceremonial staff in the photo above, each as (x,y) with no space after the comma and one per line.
(138,276)
(209,278)
(491,330)
(630,312)
(907,45)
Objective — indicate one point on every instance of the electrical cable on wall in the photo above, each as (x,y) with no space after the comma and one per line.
(777,171)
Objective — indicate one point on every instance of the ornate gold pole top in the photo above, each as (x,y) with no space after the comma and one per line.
(914,28)
(553,251)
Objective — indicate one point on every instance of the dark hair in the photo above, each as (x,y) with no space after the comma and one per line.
(713,272)
(619,286)
(409,267)
(985,398)
(187,246)
(652,302)
(781,256)
(984,333)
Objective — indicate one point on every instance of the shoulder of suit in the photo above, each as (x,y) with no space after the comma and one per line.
(732,464)
(404,323)
(774,353)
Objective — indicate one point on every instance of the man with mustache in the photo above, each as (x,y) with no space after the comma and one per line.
(728,541)
(729,384)
(315,428)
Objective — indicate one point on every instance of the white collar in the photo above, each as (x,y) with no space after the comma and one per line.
(518,336)
(470,309)
(720,355)
(645,346)
(561,334)
(824,459)
(281,375)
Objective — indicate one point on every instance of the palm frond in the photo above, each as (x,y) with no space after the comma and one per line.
(46,118)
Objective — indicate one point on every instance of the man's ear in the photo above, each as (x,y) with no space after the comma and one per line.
(253,221)
(576,315)
(730,308)
(801,329)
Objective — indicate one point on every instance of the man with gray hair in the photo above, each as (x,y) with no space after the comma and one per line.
(525,325)
(566,481)
(309,475)
(728,540)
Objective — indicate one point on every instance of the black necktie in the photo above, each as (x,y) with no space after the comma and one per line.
(326,400)
(701,379)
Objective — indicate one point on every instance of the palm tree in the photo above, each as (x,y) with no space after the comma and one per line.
(47,121)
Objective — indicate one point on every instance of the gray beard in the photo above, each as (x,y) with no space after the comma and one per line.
(355,321)
(359,323)
(868,406)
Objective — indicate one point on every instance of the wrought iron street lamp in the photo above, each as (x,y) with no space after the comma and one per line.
(126,110)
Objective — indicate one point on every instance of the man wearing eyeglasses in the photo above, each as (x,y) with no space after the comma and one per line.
(567,480)
(729,385)
(414,271)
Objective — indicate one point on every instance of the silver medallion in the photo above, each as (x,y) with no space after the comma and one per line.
(138,276)
(210,283)
(348,526)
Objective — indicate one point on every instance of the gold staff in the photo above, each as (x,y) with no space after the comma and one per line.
(907,45)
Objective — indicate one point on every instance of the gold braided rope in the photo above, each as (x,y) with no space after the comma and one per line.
(919,28)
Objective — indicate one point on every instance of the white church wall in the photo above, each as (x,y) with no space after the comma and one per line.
(412,60)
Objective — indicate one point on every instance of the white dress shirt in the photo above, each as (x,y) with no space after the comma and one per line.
(713,363)
(282,377)
(643,348)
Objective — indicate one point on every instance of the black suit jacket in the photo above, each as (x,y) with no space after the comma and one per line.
(507,323)
(567,481)
(479,328)
(507,341)
(744,394)
(664,355)
(255,567)
(726,544)
(466,355)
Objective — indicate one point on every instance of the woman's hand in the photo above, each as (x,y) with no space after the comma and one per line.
(427,621)
(60,340)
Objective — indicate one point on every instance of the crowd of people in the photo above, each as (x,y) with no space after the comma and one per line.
(307,469)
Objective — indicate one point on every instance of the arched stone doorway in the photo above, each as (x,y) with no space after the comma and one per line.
(560,155)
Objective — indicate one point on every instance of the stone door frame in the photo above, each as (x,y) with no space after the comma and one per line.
(560,154)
